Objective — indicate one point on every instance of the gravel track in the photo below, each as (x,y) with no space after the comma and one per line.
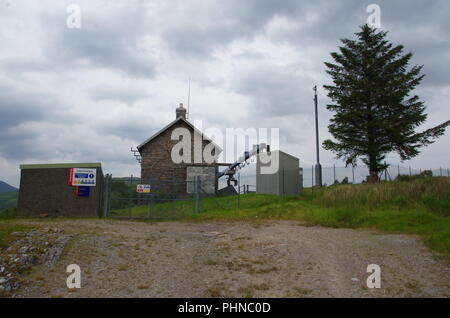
(235,259)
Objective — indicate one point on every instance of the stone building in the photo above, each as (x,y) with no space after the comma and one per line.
(157,165)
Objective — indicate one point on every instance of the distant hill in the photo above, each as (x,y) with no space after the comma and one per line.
(4,187)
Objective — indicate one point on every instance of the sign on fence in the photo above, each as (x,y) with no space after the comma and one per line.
(143,188)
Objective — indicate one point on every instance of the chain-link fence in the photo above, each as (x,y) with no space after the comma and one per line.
(340,174)
(173,199)
(153,199)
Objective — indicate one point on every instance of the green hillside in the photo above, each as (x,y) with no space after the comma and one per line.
(8,200)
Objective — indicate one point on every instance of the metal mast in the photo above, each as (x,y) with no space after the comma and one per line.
(317,167)
(189,99)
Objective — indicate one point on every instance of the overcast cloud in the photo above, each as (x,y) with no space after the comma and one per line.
(89,94)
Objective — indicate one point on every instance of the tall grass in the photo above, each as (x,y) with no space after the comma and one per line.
(430,194)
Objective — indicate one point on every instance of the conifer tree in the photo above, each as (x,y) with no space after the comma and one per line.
(375,112)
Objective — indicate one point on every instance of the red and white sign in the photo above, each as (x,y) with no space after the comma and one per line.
(143,188)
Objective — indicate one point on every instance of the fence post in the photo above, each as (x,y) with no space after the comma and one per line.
(398,170)
(106,196)
(409,170)
(239,190)
(385,171)
(109,193)
(151,206)
(440,168)
(197,195)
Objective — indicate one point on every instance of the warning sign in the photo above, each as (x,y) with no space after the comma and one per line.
(143,188)
(84,177)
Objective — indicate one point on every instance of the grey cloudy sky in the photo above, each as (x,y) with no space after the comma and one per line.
(89,94)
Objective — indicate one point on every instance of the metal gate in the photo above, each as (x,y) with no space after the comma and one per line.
(165,199)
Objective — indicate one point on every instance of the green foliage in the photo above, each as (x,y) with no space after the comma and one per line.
(427,173)
(404,177)
(375,112)
(8,200)
(8,214)
(121,189)
(345,181)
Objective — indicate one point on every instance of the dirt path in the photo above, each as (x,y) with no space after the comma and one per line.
(268,259)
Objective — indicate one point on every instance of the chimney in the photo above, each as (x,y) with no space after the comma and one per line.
(181,111)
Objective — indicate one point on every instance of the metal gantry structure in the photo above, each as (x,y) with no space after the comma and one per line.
(137,155)
(242,162)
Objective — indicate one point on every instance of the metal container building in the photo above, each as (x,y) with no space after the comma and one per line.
(277,173)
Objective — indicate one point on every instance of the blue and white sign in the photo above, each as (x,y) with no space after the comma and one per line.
(84,177)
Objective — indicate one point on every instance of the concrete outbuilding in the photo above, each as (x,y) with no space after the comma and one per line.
(278,173)
(67,189)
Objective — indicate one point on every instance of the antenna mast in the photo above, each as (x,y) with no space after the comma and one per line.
(189,99)
(318,167)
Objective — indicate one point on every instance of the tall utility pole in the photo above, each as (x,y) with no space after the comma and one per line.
(317,167)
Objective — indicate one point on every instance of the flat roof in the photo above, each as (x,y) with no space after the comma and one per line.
(61,165)
(282,153)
